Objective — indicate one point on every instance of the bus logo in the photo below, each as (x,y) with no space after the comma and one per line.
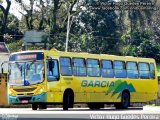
(97,83)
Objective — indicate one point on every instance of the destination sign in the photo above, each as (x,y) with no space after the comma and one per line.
(24,57)
(27,56)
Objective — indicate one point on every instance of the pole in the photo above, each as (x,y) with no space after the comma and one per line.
(68,30)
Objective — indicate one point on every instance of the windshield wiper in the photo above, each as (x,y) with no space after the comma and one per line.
(29,65)
(26,83)
(19,66)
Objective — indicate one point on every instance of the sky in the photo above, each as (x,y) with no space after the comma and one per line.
(15,8)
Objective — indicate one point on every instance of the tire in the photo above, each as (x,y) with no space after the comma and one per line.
(42,106)
(91,106)
(68,101)
(34,106)
(125,101)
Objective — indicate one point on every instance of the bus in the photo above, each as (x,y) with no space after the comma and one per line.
(46,77)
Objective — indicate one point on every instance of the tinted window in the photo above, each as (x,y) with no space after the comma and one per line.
(65,65)
(119,69)
(132,70)
(93,67)
(79,68)
(107,69)
(152,71)
(144,70)
(52,70)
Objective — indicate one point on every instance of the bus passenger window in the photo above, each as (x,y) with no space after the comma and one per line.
(79,68)
(65,66)
(132,70)
(93,68)
(52,70)
(152,71)
(143,70)
(107,69)
(119,69)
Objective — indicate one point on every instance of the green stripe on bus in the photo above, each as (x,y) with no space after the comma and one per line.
(68,78)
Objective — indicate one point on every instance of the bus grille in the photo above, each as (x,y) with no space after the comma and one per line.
(25,98)
(25,89)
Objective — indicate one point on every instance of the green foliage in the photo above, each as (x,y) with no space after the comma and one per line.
(140,44)
(149,49)
(99,28)
(132,32)
(15,46)
(58,41)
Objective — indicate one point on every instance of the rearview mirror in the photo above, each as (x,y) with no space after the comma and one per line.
(51,66)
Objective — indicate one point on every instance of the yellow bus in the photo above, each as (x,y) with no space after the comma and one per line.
(54,77)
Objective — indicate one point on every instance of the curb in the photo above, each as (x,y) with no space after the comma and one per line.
(151,108)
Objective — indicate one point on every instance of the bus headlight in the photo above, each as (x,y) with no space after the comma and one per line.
(41,90)
(9,92)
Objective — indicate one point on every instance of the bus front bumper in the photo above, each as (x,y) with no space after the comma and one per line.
(28,99)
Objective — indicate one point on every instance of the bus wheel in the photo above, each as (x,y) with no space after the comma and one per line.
(125,101)
(91,106)
(67,101)
(42,106)
(34,106)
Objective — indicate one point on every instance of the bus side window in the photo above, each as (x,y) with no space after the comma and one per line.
(119,69)
(52,70)
(152,71)
(65,66)
(79,68)
(93,68)
(132,70)
(143,70)
(107,69)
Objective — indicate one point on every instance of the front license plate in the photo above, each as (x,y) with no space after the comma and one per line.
(24,101)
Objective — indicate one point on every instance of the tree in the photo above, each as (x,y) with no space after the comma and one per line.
(64,15)
(101,28)
(140,19)
(13,32)
(4,17)
(141,45)
(149,49)
(35,14)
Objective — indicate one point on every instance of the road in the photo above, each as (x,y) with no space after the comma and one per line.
(79,113)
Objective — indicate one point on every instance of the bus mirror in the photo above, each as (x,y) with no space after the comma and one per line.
(2,66)
(50,65)
(2,70)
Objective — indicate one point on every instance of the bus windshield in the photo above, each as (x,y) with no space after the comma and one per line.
(26,73)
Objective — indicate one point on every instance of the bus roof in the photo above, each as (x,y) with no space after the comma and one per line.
(28,51)
(99,56)
(88,55)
